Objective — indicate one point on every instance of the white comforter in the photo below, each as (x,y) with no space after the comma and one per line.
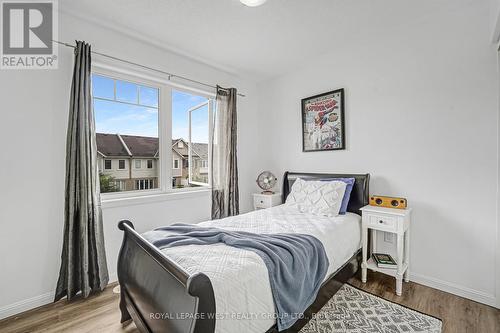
(239,277)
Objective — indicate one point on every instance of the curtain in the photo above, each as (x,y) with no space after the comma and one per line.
(83,260)
(225,193)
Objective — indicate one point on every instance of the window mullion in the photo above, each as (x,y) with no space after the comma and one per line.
(210,140)
(165,135)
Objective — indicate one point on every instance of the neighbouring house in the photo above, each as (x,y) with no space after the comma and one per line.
(131,162)
(180,166)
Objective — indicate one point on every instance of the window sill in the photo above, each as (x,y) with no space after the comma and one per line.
(112,201)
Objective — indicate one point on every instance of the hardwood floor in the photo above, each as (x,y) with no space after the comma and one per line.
(100,312)
(458,314)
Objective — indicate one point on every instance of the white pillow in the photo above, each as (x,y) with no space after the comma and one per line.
(317,197)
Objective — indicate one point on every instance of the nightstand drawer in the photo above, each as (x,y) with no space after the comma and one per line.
(386,222)
(262,201)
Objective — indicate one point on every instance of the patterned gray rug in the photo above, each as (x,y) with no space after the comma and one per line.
(354,311)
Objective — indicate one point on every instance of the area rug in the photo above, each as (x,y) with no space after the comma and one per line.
(355,311)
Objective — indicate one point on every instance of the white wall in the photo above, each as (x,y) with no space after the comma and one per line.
(495,20)
(34,108)
(428,89)
(421,117)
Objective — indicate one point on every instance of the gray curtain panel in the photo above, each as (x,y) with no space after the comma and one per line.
(83,260)
(225,193)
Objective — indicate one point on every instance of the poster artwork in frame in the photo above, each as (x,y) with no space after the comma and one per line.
(323,126)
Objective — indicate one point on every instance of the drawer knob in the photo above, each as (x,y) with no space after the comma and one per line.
(262,201)
(381,221)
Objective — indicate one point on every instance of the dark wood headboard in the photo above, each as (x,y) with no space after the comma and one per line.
(359,194)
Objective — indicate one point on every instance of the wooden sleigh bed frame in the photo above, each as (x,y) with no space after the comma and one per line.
(161,297)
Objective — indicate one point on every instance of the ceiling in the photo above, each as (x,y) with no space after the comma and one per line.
(259,42)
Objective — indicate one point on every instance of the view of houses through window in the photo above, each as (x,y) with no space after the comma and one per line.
(190,115)
(128,138)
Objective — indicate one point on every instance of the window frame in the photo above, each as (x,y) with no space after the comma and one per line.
(210,106)
(145,183)
(137,161)
(178,164)
(120,183)
(165,87)
(124,164)
(110,164)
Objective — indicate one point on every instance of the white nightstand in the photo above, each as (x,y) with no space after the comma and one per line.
(392,220)
(262,201)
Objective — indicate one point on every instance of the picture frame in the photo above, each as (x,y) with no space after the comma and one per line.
(323,122)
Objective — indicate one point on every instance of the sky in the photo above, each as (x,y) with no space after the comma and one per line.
(134,111)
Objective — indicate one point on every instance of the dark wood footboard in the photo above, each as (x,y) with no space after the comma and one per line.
(159,295)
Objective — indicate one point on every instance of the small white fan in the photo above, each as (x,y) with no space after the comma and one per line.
(266,181)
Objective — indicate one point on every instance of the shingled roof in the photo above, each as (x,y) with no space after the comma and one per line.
(110,145)
(141,145)
(117,145)
(201,149)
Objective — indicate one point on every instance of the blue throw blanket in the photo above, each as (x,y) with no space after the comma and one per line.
(296,263)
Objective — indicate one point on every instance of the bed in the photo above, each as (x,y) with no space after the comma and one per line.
(164,291)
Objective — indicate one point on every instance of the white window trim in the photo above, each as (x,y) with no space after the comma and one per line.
(146,183)
(147,197)
(209,105)
(111,164)
(124,163)
(135,163)
(152,163)
(120,183)
(178,164)
(165,191)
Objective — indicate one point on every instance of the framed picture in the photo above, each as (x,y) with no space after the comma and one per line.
(323,126)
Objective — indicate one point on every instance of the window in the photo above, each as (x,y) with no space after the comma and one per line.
(120,185)
(107,164)
(126,117)
(144,184)
(190,131)
(133,117)
(198,142)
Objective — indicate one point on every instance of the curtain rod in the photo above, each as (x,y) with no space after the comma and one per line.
(170,75)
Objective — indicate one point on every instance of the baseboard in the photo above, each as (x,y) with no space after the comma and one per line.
(26,305)
(35,302)
(452,288)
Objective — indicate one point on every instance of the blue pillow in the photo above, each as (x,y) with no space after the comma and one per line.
(347,194)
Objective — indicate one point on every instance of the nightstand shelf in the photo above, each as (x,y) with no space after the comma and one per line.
(372,265)
(396,221)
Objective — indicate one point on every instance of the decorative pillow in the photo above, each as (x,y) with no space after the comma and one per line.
(317,197)
(347,195)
